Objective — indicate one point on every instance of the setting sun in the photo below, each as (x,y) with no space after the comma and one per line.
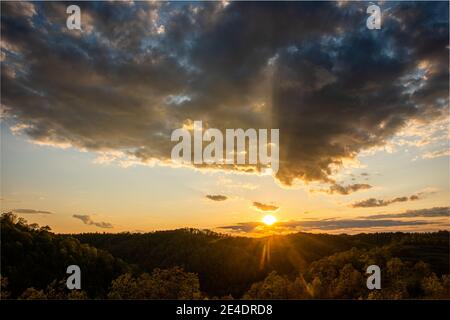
(269,220)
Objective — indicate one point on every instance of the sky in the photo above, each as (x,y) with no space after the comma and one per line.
(363,115)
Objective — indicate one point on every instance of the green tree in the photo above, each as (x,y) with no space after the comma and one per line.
(350,284)
(275,286)
(33,294)
(173,283)
(33,257)
(436,288)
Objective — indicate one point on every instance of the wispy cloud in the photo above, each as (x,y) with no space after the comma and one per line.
(431,212)
(216,197)
(31,211)
(344,189)
(265,207)
(373,221)
(436,154)
(326,224)
(364,174)
(87,220)
(373,202)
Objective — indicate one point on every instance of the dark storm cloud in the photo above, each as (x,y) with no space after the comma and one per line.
(216,197)
(139,71)
(31,211)
(88,220)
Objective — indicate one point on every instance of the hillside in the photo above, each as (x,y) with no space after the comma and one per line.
(190,263)
(32,256)
(239,261)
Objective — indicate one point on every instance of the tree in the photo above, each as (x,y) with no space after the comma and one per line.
(275,286)
(4,293)
(301,266)
(34,257)
(33,294)
(436,288)
(56,290)
(173,283)
(349,285)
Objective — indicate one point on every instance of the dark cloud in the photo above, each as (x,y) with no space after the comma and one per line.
(364,174)
(372,202)
(265,207)
(351,224)
(87,220)
(345,190)
(328,224)
(371,221)
(243,226)
(216,197)
(31,211)
(139,71)
(431,212)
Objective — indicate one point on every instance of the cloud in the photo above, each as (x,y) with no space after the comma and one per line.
(431,212)
(216,197)
(345,190)
(372,202)
(140,71)
(87,220)
(265,207)
(366,222)
(31,211)
(436,154)
(326,225)
(243,226)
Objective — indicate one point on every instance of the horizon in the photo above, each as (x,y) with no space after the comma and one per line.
(237,235)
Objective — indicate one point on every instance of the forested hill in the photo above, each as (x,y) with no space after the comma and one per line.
(191,264)
(229,265)
(34,257)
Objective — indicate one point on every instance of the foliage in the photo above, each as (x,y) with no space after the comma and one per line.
(342,276)
(171,283)
(4,293)
(33,257)
(275,286)
(194,264)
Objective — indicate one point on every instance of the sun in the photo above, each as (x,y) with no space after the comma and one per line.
(269,220)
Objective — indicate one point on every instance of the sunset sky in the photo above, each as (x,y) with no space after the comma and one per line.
(363,115)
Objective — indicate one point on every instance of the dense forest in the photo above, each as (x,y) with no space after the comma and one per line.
(197,264)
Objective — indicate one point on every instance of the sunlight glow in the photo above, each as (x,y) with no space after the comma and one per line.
(269,220)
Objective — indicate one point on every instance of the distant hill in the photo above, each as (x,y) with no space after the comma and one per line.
(195,263)
(227,264)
